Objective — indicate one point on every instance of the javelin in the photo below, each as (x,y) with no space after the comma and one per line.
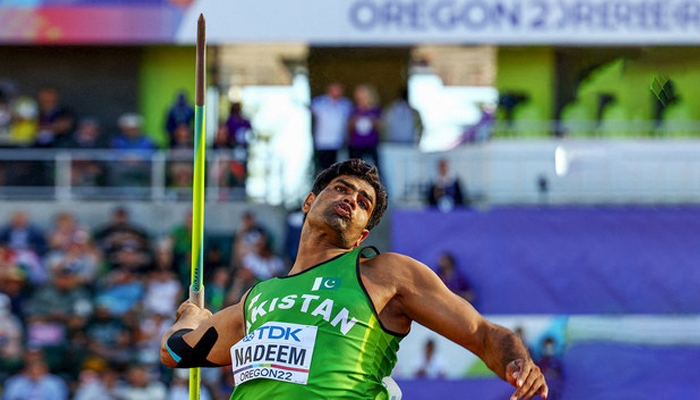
(196,287)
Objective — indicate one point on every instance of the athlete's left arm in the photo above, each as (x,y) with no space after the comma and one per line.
(422,297)
(200,339)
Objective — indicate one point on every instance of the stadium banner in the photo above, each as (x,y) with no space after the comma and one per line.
(90,22)
(405,22)
(355,22)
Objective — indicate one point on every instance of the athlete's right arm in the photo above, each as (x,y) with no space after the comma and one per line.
(200,339)
(422,297)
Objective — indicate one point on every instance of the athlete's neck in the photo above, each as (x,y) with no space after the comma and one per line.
(315,247)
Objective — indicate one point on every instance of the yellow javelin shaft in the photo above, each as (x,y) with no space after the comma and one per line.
(196,287)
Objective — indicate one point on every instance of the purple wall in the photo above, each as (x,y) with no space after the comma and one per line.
(565,260)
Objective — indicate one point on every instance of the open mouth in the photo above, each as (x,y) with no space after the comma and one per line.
(343,210)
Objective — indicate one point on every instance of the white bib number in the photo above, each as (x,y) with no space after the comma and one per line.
(276,350)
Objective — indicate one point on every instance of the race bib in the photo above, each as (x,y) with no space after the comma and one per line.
(276,350)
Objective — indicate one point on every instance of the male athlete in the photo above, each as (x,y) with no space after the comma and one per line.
(330,329)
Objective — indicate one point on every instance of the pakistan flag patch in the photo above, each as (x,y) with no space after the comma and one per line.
(326,284)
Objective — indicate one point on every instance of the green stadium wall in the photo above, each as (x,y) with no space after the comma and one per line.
(628,79)
(530,71)
(164,72)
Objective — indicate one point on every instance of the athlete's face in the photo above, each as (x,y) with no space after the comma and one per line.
(344,206)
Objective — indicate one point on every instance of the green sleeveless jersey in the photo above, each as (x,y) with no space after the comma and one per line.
(313,335)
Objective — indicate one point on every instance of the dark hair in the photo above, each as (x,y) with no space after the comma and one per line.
(365,171)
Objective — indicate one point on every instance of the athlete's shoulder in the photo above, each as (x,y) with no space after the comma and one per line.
(397,260)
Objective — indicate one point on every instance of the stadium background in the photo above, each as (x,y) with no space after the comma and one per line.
(583,225)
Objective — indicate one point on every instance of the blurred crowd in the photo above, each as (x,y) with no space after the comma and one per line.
(44,121)
(82,309)
(357,126)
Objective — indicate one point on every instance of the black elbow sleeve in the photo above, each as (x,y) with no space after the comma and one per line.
(191,357)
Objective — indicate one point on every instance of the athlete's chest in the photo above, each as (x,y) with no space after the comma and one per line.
(328,298)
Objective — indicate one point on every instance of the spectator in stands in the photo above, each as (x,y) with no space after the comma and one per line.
(222,138)
(231,168)
(258,265)
(430,365)
(164,258)
(92,387)
(402,123)
(240,129)
(76,355)
(13,283)
(101,383)
(552,368)
(131,136)
(453,278)
(180,169)
(446,191)
(124,353)
(133,259)
(182,139)
(30,265)
(217,287)
(104,332)
(25,122)
(11,336)
(151,328)
(20,234)
(137,148)
(35,382)
(180,237)
(65,227)
(22,244)
(89,173)
(89,135)
(365,124)
(79,256)
(263,263)
(214,258)
(140,386)
(248,235)
(294,224)
(120,292)
(224,387)
(5,113)
(240,133)
(163,292)
(113,381)
(331,112)
(56,122)
(119,236)
(56,308)
(180,113)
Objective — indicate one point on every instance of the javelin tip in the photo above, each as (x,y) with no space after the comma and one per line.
(201,26)
(201,61)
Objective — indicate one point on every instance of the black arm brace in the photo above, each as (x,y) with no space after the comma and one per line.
(192,357)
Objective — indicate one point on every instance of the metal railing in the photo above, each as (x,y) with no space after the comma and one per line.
(555,171)
(499,171)
(72,174)
(609,129)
